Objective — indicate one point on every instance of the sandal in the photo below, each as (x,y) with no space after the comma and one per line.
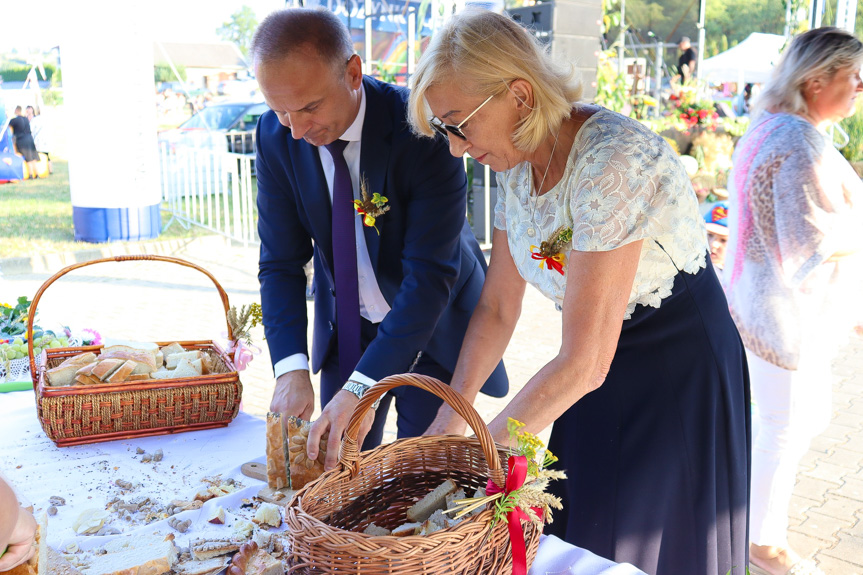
(802,567)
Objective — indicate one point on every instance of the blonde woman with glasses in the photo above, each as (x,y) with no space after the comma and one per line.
(792,281)
(648,394)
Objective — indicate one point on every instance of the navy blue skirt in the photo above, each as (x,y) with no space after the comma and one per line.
(658,457)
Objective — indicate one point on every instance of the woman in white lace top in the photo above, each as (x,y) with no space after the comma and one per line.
(648,394)
(793,268)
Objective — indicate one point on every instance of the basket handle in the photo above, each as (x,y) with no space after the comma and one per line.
(133,258)
(349,454)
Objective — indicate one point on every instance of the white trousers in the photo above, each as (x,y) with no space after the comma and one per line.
(791,408)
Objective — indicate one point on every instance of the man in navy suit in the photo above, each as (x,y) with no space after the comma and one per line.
(417,269)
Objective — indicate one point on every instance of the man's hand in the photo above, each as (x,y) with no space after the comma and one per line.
(294,395)
(21,541)
(447,422)
(335,417)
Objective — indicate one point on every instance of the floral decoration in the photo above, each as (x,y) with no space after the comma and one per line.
(370,207)
(523,498)
(550,252)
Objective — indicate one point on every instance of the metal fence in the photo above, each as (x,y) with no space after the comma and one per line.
(212,189)
(216,190)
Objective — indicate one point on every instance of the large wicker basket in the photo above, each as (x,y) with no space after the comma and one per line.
(326,517)
(93,413)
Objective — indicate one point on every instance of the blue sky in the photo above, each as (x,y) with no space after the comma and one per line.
(178,20)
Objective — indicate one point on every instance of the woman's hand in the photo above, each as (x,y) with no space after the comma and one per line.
(22,541)
(447,422)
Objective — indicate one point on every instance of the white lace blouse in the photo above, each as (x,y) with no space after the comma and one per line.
(622,183)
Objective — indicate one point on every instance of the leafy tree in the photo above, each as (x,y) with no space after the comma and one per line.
(240,29)
(164,73)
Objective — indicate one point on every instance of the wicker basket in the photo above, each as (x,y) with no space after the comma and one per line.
(326,517)
(92,413)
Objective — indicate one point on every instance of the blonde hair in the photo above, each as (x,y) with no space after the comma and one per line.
(818,53)
(486,51)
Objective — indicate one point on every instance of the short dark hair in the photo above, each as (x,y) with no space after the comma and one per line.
(284,31)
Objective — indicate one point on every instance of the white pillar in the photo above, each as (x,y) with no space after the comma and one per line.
(702,8)
(109,91)
(412,44)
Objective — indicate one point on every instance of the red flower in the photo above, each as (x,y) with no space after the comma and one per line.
(702,114)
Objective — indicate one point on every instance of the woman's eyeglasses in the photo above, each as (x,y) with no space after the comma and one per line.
(446,129)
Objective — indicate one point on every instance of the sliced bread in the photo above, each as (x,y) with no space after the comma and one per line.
(146,360)
(171,349)
(277,453)
(62,375)
(376,531)
(80,359)
(407,529)
(187,368)
(152,555)
(435,500)
(173,360)
(106,367)
(122,373)
(87,369)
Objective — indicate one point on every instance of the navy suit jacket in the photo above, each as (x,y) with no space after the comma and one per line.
(426,260)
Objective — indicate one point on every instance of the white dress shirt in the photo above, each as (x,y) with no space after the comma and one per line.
(373,306)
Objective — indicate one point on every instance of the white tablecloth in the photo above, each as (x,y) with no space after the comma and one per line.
(85,477)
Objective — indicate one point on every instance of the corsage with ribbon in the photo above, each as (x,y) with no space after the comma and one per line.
(370,207)
(241,322)
(550,252)
(523,498)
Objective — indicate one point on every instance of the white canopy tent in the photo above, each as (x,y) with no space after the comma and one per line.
(751,61)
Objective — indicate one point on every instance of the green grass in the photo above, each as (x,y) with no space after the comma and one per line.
(36,217)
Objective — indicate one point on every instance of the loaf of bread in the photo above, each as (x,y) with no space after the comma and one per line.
(80,359)
(277,453)
(64,374)
(150,555)
(302,469)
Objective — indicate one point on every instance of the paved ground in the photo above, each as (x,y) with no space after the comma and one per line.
(149,301)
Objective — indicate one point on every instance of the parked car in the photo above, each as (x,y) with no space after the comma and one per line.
(227,126)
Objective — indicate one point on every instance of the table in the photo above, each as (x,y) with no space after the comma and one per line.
(85,476)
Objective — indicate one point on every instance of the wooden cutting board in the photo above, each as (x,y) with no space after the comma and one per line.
(258,471)
(255,470)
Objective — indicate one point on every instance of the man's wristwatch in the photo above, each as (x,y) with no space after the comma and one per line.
(359,389)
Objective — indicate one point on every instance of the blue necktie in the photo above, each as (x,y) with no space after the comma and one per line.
(345,263)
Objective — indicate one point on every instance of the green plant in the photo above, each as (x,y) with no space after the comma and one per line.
(53,97)
(13,319)
(853,126)
(164,73)
(18,73)
(735,127)
(611,89)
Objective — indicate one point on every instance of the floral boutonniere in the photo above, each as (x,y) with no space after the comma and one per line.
(370,207)
(550,252)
